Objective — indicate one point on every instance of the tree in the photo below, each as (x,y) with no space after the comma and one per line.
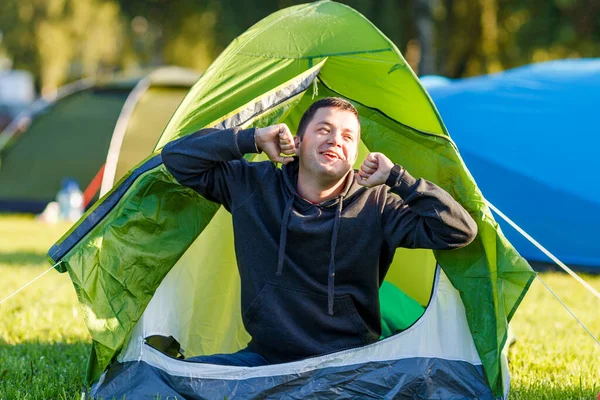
(70,38)
(425,28)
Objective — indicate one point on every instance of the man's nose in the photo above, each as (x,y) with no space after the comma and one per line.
(335,138)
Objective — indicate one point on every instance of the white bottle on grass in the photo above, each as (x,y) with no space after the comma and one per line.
(70,201)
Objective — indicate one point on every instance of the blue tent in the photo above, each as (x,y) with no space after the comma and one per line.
(529,136)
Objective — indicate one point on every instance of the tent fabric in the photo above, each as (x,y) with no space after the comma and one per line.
(146,111)
(453,380)
(22,121)
(398,310)
(69,137)
(418,361)
(64,140)
(150,110)
(513,129)
(150,239)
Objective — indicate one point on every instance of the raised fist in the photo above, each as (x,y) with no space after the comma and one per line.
(277,142)
(374,170)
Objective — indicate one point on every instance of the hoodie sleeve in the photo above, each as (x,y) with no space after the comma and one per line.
(211,161)
(420,214)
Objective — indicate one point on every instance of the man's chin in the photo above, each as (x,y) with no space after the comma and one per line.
(329,171)
(334,172)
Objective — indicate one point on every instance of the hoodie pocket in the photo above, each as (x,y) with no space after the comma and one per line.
(255,305)
(352,312)
(291,324)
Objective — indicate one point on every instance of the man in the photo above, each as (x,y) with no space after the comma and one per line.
(313,239)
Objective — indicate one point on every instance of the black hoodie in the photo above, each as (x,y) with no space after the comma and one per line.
(310,273)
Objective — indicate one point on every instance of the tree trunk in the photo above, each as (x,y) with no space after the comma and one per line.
(424,23)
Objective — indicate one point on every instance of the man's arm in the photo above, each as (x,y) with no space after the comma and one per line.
(417,213)
(211,161)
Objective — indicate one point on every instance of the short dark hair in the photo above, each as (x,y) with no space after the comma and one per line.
(333,102)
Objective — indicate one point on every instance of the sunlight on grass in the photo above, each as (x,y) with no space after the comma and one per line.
(554,358)
(44,344)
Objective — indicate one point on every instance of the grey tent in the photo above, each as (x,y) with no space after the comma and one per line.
(69,136)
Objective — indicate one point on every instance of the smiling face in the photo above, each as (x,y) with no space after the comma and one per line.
(328,147)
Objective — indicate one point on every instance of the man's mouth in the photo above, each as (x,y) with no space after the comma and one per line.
(331,155)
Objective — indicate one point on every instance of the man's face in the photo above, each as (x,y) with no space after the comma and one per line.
(329,146)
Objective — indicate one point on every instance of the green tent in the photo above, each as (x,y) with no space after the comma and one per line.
(69,136)
(155,258)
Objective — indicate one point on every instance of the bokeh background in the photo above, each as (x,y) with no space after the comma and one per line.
(59,41)
(45,44)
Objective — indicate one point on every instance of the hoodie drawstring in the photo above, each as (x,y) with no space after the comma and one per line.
(283,235)
(334,236)
(289,170)
(331,274)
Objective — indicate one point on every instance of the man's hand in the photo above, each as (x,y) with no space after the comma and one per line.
(277,142)
(374,170)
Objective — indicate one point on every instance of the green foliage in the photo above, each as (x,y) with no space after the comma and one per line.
(63,40)
(44,344)
(482,36)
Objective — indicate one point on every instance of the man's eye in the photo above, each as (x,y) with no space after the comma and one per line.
(348,138)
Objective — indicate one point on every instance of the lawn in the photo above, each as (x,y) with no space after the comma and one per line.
(44,344)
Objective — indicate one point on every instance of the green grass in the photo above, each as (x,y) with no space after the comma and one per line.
(554,358)
(44,344)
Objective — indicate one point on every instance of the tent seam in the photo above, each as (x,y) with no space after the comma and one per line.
(421,132)
(348,53)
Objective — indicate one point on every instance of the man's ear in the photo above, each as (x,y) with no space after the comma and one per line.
(297,141)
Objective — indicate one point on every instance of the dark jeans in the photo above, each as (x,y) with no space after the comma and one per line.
(243,358)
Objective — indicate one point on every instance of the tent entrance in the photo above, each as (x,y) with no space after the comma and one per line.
(448,361)
(198,303)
